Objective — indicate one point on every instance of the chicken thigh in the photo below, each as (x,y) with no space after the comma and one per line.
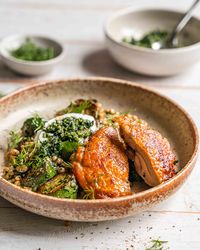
(102,165)
(151,153)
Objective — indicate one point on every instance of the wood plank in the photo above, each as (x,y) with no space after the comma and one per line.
(22,230)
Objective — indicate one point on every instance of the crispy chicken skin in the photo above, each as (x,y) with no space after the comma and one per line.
(103,165)
(153,158)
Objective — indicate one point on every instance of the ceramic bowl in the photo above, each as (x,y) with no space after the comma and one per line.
(145,60)
(162,113)
(31,68)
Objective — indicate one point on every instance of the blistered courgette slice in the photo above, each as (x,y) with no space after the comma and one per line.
(61,186)
(38,176)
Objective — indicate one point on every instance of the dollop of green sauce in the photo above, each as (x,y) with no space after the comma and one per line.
(148,39)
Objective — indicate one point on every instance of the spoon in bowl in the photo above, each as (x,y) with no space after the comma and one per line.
(172,41)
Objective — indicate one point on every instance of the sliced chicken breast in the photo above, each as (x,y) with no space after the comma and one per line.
(153,157)
(102,165)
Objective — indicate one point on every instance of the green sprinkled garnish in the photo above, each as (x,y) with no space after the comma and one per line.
(76,107)
(147,40)
(29,51)
(157,245)
(14,139)
(32,125)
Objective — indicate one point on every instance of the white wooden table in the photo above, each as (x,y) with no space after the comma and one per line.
(79,24)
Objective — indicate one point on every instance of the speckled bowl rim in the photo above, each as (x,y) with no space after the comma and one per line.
(142,49)
(138,196)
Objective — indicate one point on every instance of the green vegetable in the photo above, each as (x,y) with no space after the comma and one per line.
(14,139)
(32,125)
(76,107)
(147,40)
(61,186)
(24,156)
(70,189)
(68,147)
(50,186)
(1,95)
(157,245)
(38,176)
(29,51)
(66,193)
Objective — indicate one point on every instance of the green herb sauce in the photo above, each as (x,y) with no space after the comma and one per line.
(29,51)
(147,40)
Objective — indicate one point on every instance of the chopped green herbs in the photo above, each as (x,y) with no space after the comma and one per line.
(62,137)
(69,129)
(32,125)
(30,51)
(24,155)
(157,245)
(147,40)
(76,107)
(14,139)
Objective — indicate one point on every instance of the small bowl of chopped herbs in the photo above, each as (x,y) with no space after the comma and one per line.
(31,55)
(131,37)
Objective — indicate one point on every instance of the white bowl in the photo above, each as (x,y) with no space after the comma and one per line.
(30,67)
(145,60)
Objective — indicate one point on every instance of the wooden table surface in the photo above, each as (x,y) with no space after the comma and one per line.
(79,25)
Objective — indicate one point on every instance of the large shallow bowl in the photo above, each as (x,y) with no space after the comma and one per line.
(159,111)
(163,62)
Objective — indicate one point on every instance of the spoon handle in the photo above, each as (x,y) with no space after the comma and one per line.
(184,20)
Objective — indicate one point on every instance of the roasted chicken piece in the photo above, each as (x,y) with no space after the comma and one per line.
(102,166)
(151,153)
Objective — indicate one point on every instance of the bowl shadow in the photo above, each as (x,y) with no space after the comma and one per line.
(100,63)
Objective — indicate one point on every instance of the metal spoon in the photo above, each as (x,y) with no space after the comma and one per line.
(172,41)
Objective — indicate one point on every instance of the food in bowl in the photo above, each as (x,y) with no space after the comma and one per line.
(155,62)
(87,152)
(148,39)
(30,51)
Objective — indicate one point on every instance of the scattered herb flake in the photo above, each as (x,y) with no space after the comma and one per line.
(157,245)
(14,139)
